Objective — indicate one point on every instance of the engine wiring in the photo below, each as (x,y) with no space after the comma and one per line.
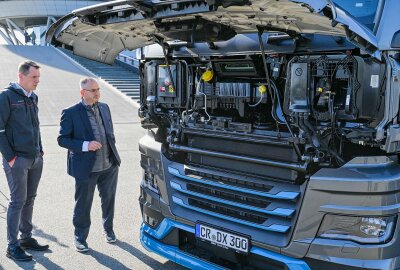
(311,102)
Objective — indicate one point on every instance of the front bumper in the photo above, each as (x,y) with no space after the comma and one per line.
(150,240)
(364,187)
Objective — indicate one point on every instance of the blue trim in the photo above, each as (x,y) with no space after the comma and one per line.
(176,255)
(165,228)
(282,212)
(272,227)
(283,195)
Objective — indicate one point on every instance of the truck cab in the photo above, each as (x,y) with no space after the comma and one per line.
(273,132)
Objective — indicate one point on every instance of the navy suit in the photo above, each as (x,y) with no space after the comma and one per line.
(75,128)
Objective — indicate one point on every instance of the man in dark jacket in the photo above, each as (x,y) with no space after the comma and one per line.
(86,130)
(21,148)
(33,37)
(27,37)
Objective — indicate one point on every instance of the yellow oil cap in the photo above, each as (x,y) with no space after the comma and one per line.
(320,89)
(207,76)
(262,89)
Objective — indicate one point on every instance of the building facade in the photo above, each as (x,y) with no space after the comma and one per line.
(19,16)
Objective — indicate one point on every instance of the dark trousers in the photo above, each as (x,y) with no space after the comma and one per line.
(106,182)
(23,180)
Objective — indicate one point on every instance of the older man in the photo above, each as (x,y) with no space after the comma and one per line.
(21,148)
(86,130)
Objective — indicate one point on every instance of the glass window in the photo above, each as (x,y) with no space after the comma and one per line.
(363,10)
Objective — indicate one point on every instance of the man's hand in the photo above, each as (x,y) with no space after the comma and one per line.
(11,162)
(94,146)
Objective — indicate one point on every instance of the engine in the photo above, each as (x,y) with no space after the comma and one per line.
(324,108)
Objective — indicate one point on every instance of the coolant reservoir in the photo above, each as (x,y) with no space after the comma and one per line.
(207,76)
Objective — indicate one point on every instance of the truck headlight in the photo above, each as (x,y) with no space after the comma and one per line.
(365,230)
(149,181)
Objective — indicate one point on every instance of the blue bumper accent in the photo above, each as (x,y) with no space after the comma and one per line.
(174,253)
(149,236)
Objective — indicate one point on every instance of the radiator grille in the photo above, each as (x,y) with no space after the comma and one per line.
(252,205)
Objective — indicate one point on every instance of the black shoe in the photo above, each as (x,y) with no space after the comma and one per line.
(110,237)
(18,254)
(81,246)
(32,243)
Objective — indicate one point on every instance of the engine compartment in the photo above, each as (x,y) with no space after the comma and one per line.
(322,109)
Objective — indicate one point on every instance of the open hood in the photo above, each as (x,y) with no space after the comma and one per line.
(100,32)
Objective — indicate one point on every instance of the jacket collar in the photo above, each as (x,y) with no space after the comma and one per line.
(89,107)
(15,87)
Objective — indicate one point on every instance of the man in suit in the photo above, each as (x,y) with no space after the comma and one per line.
(86,130)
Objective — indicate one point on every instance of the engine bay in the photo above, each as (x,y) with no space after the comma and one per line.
(324,108)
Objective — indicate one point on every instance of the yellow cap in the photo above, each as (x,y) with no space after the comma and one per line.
(320,89)
(207,75)
(262,89)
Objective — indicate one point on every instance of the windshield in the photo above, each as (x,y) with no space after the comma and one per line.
(363,10)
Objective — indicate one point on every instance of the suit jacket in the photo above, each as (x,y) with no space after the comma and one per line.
(75,128)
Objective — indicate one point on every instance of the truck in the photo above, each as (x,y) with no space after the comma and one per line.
(273,131)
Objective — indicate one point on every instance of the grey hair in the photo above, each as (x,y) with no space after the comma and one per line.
(85,81)
(24,67)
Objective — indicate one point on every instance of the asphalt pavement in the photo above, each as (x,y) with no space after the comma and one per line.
(53,208)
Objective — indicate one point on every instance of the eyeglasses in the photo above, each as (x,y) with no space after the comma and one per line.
(92,90)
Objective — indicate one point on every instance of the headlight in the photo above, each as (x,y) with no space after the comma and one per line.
(366,230)
(150,182)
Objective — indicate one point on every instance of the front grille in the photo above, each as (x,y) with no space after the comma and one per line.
(264,209)
(231,196)
(231,181)
(229,211)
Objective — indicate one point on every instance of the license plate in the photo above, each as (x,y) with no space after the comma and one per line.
(222,238)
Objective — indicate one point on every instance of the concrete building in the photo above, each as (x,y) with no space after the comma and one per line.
(18,15)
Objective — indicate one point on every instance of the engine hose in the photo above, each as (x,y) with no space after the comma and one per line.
(303,127)
(308,124)
(205,97)
(308,128)
(258,102)
(260,32)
